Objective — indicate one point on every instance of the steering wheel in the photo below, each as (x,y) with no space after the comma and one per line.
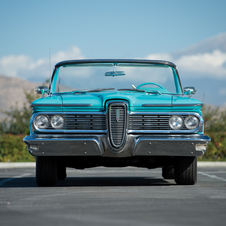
(150,83)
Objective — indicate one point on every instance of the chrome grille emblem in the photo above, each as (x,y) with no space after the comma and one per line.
(117,115)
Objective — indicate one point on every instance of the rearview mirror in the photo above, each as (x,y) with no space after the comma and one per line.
(115,73)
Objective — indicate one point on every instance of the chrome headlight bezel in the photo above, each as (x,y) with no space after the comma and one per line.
(176,122)
(44,118)
(196,123)
(57,121)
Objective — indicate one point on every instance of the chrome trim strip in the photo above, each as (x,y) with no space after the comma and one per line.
(163,131)
(187,105)
(46,105)
(70,131)
(156,105)
(89,105)
(171,105)
(77,105)
(164,113)
(68,113)
(63,105)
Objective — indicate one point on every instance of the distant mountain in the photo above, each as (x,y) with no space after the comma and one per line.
(209,45)
(12,92)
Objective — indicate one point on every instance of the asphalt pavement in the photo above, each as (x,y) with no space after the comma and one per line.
(112,196)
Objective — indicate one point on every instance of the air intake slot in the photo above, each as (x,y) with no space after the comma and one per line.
(117,122)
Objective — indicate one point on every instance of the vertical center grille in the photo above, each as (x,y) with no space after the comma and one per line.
(117,118)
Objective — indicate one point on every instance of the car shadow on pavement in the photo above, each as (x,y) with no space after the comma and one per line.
(17,182)
(92,182)
(113,182)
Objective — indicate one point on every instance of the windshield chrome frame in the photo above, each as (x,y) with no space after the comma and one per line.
(118,61)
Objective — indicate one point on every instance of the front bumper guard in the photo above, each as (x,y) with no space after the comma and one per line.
(97,145)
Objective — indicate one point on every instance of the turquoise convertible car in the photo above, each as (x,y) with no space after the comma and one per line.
(116,113)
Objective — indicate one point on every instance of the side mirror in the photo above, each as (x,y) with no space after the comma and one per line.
(42,90)
(39,89)
(189,90)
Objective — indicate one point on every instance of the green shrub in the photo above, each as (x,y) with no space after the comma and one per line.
(17,120)
(13,149)
(216,150)
(214,118)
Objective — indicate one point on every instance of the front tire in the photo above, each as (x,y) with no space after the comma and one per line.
(186,170)
(61,172)
(46,171)
(168,172)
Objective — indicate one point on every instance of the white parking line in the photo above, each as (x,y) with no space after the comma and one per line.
(212,176)
(12,178)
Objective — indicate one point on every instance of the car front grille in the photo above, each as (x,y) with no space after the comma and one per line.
(151,122)
(148,122)
(117,122)
(85,122)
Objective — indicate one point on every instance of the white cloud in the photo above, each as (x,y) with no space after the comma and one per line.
(160,56)
(201,65)
(72,53)
(208,64)
(195,65)
(10,65)
(25,67)
(222,92)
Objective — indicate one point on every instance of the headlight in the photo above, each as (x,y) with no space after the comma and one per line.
(42,121)
(57,121)
(176,122)
(191,122)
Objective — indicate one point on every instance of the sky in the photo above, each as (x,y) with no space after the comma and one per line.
(71,29)
(107,29)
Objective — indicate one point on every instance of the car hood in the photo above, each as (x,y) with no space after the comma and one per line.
(97,101)
(134,99)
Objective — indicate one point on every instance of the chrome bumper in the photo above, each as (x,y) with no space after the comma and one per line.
(98,145)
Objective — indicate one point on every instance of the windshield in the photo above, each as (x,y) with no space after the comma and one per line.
(96,77)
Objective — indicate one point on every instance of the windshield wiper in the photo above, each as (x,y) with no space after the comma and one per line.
(99,90)
(159,93)
(91,90)
(79,91)
(154,92)
(137,90)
